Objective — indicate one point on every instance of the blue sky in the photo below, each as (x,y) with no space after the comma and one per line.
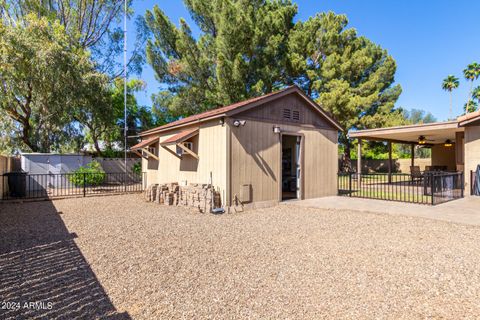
(428,39)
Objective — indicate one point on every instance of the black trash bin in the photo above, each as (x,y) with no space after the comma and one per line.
(17,183)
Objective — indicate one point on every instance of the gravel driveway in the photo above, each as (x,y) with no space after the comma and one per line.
(119,257)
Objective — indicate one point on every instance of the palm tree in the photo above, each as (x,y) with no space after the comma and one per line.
(449,83)
(476,94)
(470,106)
(471,73)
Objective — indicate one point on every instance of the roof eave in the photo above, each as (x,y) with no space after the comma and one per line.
(189,123)
(408,128)
(247,106)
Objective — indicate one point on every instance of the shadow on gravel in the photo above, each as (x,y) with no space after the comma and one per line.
(43,274)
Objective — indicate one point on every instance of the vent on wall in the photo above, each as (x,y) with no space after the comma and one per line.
(287,113)
(296,115)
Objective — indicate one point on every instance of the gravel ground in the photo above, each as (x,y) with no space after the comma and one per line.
(119,257)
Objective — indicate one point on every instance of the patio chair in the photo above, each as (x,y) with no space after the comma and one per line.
(416,173)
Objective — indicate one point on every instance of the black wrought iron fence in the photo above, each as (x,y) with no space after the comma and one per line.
(18,185)
(473,183)
(426,188)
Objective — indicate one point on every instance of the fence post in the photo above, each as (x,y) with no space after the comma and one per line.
(462,181)
(349,184)
(125,182)
(471,182)
(432,186)
(84,184)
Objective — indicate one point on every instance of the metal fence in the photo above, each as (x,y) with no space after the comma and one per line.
(473,178)
(427,188)
(31,186)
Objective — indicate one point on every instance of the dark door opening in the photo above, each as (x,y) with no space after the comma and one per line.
(290,167)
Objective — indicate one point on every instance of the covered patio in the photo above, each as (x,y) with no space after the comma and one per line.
(440,182)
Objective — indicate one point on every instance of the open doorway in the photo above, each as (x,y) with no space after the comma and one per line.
(291,167)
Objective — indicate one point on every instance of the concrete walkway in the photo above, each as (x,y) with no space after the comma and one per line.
(465,211)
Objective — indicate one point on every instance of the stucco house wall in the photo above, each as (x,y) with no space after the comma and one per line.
(444,156)
(472,152)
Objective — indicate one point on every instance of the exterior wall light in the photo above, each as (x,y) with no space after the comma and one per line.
(276,129)
(448,143)
(422,140)
(238,123)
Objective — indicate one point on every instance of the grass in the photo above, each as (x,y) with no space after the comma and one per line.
(376,186)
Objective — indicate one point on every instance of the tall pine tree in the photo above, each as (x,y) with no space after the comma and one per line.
(242,52)
(348,75)
(250,47)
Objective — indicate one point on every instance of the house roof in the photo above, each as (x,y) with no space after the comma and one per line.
(239,107)
(182,136)
(469,118)
(144,143)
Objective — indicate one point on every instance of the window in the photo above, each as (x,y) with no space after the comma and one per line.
(287,113)
(152,150)
(189,146)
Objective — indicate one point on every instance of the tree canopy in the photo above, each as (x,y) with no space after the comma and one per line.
(58,75)
(43,77)
(249,48)
(242,52)
(90,24)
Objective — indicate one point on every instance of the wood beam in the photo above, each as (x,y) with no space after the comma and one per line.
(389,162)
(138,153)
(359,160)
(190,152)
(412,150)
(149,153)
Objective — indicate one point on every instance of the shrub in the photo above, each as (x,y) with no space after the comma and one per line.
(137,168)
(92,175)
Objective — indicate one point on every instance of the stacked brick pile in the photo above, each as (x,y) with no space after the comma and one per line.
(200,196)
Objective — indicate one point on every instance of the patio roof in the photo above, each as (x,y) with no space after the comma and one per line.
(435,133)
(470,118)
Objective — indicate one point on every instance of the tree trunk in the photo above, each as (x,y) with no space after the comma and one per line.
(467,108)
(26,139)
(97,147)
(95,142)
(451,105)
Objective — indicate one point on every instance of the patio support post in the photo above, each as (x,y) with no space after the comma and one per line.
(413,154)
(359,161)
(389,143)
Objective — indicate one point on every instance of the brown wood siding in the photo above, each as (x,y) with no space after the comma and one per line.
(273,111)
(256,152)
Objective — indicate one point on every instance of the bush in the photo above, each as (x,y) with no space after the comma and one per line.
(137,168)
(92,175)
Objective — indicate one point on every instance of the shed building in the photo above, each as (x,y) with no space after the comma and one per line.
(258,152)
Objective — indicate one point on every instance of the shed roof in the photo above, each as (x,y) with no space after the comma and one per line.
(242,106)
(144,143)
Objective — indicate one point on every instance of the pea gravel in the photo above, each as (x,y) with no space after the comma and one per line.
(285,262)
